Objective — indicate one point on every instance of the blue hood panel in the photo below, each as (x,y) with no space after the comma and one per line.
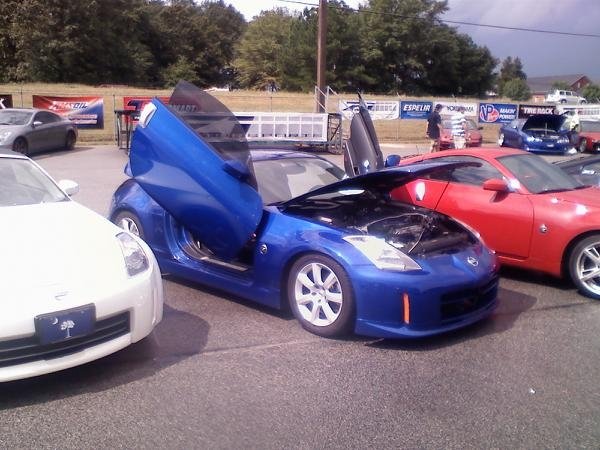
(184,174)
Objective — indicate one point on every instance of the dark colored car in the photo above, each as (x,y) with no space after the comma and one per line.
(288,229)
(31,130)
(546,133)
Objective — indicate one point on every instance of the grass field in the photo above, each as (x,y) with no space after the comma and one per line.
(405,131)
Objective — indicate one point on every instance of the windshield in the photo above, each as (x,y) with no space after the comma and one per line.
(591,126)
(282,179)
(22,183)
(537,175)
(13,117)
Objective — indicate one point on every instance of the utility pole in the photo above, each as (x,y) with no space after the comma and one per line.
(321,56)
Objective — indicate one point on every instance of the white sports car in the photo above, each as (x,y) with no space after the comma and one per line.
(74,286)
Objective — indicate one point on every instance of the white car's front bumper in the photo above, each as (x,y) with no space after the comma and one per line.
(140,301)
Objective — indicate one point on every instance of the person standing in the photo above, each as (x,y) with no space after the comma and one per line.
(434,128)
(459,122)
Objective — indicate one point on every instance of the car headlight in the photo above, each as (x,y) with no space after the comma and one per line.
(4,135)
(135,259)
(382,254)
(563,140)
(533,139)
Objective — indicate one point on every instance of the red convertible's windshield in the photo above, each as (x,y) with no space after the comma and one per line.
(539,176)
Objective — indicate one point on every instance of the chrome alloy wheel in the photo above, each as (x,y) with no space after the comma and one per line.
(129,225)
(318,294)
(585,266)
(129,222)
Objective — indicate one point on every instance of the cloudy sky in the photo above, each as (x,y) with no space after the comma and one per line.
(541,53)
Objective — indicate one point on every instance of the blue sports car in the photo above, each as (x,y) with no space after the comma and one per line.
(289,229)
(545,133)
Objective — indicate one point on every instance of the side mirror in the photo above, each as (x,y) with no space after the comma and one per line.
(70,187)
(496,185)
(392,160)
(236,169)
(37,123)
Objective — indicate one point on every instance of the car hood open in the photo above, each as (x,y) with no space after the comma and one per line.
(192,158)
(379,183)
(551,122)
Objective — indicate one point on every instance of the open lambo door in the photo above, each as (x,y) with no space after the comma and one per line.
(192,158)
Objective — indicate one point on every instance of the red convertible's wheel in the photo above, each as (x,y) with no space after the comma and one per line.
(584,266)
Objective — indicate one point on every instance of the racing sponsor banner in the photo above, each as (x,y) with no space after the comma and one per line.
(138,102)
(497,112)
(378,109)
(86,112)
(5,101)
(526,111)
(415,110)
(449,108)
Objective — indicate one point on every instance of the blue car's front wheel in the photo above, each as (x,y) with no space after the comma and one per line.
(129,222)
(320,295)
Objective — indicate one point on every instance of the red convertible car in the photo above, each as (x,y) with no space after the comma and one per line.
(532,213)
(589,136)
(473,136)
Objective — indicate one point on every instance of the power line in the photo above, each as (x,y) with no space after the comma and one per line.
(453,22)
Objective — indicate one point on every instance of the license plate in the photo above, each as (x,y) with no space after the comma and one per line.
(550,145)
(63,325)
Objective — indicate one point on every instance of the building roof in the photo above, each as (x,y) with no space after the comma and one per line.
(544,84)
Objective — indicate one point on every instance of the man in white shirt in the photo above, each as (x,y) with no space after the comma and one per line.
(458,127)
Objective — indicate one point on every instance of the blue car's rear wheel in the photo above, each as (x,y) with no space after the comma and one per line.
(320,295)
(584,266)
(130,222)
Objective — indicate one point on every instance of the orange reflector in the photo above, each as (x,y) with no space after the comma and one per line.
(406,304)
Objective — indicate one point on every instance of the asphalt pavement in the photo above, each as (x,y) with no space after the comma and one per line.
(220,372)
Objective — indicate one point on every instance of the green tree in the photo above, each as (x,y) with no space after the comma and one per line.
(455,65)
(8,44)
(406,49)
(511,69)
(222,27)
(182,69)
(199,37)
(259,53)
(591,92)
(395,42)
(516,89)
(344,64)
(63,41)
